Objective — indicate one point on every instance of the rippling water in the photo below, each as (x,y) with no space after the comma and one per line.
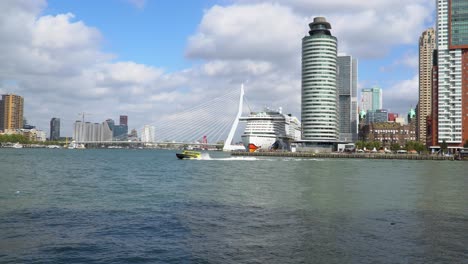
(145,206)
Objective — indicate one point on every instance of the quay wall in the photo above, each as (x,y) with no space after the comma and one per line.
(343,155)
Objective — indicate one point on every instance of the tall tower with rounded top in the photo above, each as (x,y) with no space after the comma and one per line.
(319,110)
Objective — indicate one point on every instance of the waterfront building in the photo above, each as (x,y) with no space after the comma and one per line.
(54,129)
(347,98)
(11,112)
(426,50)
(33,134)
(452,75)
(319,111)
(148,134)
(389,132)
(87,131)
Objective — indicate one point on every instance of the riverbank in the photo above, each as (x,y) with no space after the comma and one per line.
(344,155)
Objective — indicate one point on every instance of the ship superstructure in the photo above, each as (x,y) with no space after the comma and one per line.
(270,129)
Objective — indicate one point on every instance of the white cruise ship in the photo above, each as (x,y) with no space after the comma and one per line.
(270,129)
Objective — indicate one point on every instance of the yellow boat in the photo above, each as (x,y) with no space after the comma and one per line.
(189,154)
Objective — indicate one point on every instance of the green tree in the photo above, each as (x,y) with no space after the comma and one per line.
(360,144)
(13,139)
(395,147)
(443,146)
(419,147)
(466,144)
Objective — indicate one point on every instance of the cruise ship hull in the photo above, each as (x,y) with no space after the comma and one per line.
(263,142)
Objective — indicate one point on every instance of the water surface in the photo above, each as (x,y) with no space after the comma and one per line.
(145,206)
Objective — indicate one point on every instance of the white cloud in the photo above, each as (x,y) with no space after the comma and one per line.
(409,60)
(248,32)
(140,4)
(402,95)
(365,29)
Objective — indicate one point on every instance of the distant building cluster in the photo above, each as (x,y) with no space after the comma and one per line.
(98,132)
(12,119)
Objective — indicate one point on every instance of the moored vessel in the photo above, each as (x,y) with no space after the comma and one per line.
(270,130)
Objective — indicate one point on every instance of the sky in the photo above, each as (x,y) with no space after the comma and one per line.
(149,59)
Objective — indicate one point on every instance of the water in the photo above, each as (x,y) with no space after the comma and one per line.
(145,206)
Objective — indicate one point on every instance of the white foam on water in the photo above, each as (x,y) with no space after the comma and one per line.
(206,156)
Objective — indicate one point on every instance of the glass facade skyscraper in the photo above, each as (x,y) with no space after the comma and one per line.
(459,22)
(347,94)
(54,129)
(371,99)
(319,110)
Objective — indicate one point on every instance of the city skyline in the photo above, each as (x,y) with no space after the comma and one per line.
(142,60)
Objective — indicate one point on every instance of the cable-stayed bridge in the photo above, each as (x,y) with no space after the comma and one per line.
(210,124)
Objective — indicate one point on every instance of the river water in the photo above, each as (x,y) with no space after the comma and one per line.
(145,206)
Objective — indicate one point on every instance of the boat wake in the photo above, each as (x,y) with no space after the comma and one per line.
(206,156)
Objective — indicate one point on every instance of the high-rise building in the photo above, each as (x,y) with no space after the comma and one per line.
(123,120)
(376,98)
(148,134)
(11,112)
(319,92)
(371,99)
(347,97)
(426,49)
(54,129)
(452,75)
(121,130)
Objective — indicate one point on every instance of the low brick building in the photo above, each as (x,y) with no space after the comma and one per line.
(388,133)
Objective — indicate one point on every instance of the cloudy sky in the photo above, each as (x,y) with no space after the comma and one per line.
(148,59)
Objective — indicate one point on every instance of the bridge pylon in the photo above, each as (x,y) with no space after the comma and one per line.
(228,143)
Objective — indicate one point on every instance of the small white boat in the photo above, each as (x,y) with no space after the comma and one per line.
(74,145)
(17,145)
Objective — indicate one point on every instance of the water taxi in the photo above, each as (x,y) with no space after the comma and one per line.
(189,154)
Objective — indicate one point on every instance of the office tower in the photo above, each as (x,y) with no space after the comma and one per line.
(11,112)
(452,63)
(121,131)
(366,100)
(148,134)
(123,120)
(376,98)
(54,129)
(347,97)
(426,49)
(319,93)
(371,99)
